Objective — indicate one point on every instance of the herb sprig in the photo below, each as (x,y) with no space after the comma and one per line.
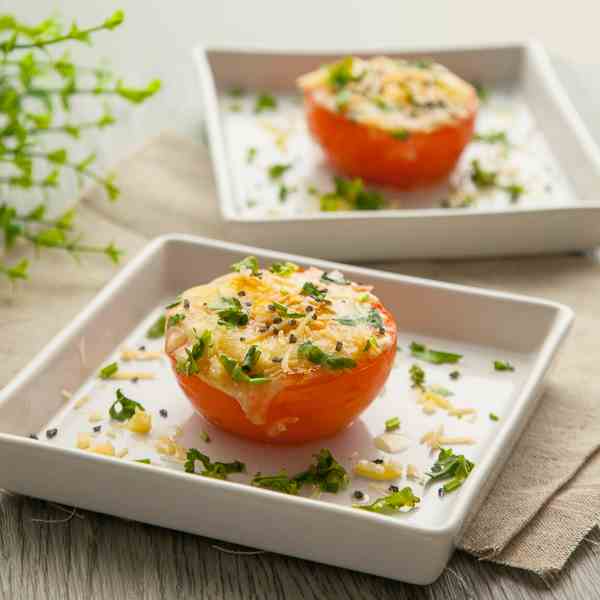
(317,356)
(123,408)
(392,503)
(450,466)
(436,357)
(216,470)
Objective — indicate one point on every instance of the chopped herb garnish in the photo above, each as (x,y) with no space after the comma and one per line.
(483,93)
(310,289)
(250,263)
(230,311)
(492,137)
(501,365)
(441,390)
(189,366)
(401,134)
(494,417)
(236,371)
(175,319)
(123,408)
(173,304)
(417,377)
(205,437)
(315,355)
(482,178)
(264,102)
(422,63)
(340,73)
(374,318)
(350,194)
(450,466)
(392,503)
(515,191)
(285,312)
(250,359)
(392,424)
(284,269)
(144,461)
(335,277)
(325,472)
(284,192)
(276,171)
(437,357)
(342,99)
(108,371)
(251,154)
(216,470)
(364,298)
(158,328)
(455,375)
(278,483)
(312,190)
(236,92)
(371,343)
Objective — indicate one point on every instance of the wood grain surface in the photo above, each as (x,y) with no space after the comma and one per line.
(49,552)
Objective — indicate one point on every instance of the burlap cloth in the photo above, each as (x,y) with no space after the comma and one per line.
(547,498)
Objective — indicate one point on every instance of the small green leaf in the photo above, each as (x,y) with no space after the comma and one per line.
(310,289)
(216,470)
(250,263)
(175,319)
(57,156)
(108,371)
(436,357)
(157,330)
(265,101)
(124,408)
(417,377)
(113,253)
(114,20)
(37,214)
(18,271)
(494,417)
(401,134)
(137,95)
(450,466)
(393,503)
(501,365)
(392,424)
(277,170)
(284,269)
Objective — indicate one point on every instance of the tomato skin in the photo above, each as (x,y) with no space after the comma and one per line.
(365,151)
(312,406)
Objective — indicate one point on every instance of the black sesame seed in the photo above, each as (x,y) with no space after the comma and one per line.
(277,359)
(186,304)
(309,308)
(441,492)
(293,339)
(339,346)
(358,495)
(292,322)
(50,433)
(277,320)
(97,428)
(142,348)
(394,488)
(241,293)
(33,436)
(378,461)
(163,413)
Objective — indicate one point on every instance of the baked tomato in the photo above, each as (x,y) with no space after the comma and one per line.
(281,356)
(397,123)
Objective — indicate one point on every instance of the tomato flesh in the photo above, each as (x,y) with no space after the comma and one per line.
(359,150)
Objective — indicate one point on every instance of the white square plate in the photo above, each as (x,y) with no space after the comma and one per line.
(481,325)
(551,154)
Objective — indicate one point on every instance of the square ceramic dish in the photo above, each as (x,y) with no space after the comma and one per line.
(482,325)
(551,154)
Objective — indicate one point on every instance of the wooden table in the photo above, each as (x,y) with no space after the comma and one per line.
(51,552)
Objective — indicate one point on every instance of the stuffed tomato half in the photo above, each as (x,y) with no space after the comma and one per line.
(393,122)
(280,355)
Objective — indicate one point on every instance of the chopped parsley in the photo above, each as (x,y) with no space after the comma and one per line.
(158,328)
(216,470)
(175,319)
(189,366)
(441,390)
(251,154)
(264,102)
(284,192)
(283,311)
(230,312)
(480,177)
(371,343)
(392,424)
(276,171)
(335,277)
(494,417)
(417,377)
(450,466)
(250,263)
(483,93)
(437,357)
(144,461)
(373,319)
(392,503)
(278,483)
(108,371)
(340,73)
(236,92)
(284,269)
(310,289)
(350,194)
(515,191)
(239,373)
(175,303)
(205,437)
(501,365)
(315,355)
(492,137)
(401,134)
(123,408)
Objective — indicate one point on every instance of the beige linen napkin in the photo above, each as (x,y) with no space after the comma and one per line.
(547,498)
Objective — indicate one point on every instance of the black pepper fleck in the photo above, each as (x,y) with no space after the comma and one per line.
(241,293)
(455,375)
(242,339)
(135,380)
(33,436)
(248,304)
(271,307)
(263,329)
(51,433)
(358,495)
(142,348)
(314,317)
(292,322)
(381,330)
(97,428)
(277,320)
(441,492)
(339,346)
(309,308)
(394,488)
(277,359)
(163,413)
(378,461)
(186,304)
(275,331)
(293,339)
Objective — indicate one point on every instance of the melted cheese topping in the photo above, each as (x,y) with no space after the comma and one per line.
(275,335)
(395,95)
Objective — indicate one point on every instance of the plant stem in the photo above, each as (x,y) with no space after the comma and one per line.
(57,40)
